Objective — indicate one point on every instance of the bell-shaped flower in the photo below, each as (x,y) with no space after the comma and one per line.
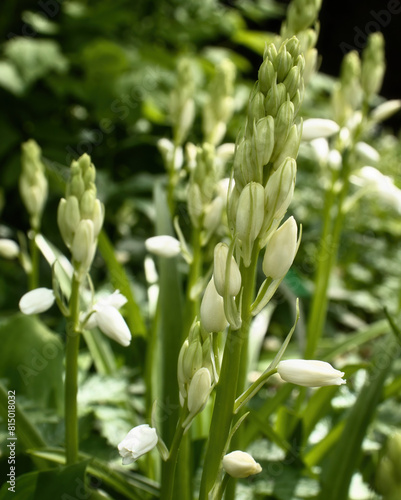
(37,301)
(309,373)
(137,442)
(239,464)
(163,246)
(112,324)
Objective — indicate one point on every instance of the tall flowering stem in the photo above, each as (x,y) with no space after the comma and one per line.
(264,178)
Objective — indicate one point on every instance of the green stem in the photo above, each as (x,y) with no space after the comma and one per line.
(327,257)
(34,250)
(71,375)
(192,304)
(222,486)
(226,390)
(167,487)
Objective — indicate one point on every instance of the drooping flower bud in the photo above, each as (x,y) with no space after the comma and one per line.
(112,324)
(37,301)
(280,250)
(9,249)
(163,246)
(137,442)
(309,373)
(239,464)
(313,128)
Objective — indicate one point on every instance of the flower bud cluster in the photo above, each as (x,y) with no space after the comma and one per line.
(195,372)
(388,479)
(33,183)
(373,64)
(206,201)
(182,104)
(220,105)
(347,95)
(264,163)
(302,15)
(80,214)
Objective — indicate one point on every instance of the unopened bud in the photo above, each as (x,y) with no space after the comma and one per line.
(250,216)
(280,189)
(219,272)
(37,301)
(212,314)
(239,464)
(199,391)
(280,250)
(163,246)
(9,249)
(82,245)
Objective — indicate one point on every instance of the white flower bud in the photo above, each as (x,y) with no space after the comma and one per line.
(367,153)
(318,127)
(321,149)
(163,246)
(9,249)
(250,217)
(239,464)
(212,314)
(219,272)
(280,189)
(199,391)
(280,250)
(37,301)
(309,373)
(137,442)
(82,244)
(385,110)
(112,324)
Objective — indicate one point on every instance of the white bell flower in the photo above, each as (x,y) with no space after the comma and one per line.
(137,442)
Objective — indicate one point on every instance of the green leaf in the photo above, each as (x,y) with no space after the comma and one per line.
(64,482)
(31,359)
(35,58)
(25,486)
(255,40)
(10,78)
(337,473)
(125,482)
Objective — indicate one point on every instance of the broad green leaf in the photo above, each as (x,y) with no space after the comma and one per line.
(31,359)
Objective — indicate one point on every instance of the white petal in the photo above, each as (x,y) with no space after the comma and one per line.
(37,301)
(9,249)
(112,324)
(163,246)
(318,127)
(137,442)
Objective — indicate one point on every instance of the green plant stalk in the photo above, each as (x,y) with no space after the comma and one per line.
(195,269)
(71,376)
(326,258)
(226,390)
(34,250)
(167,487)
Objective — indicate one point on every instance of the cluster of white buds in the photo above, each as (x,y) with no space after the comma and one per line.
(80,214)
(205,202)
(373,64)
(219,107)
(302,15)
(182,104)
(347,95)
(195,373)
(32,182)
